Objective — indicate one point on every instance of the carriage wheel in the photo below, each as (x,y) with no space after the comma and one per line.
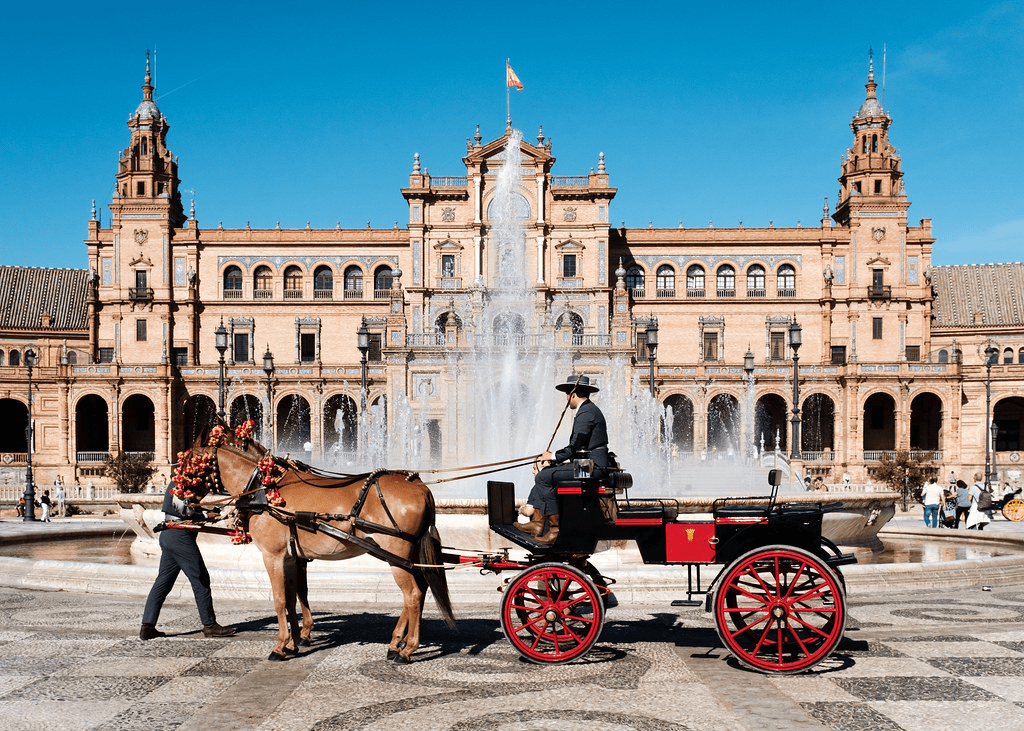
(780,609)
(1014,510)
(552,613)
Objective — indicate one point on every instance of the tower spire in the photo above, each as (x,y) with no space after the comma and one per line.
(147,86)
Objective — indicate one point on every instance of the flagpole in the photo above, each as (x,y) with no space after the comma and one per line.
(508,94)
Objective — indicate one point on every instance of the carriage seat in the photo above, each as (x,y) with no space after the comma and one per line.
(614,482)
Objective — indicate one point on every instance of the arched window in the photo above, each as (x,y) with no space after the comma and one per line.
(635,280)
(72,357)
(1020,356)
(353,282)
(755,281)
(382,281)
(864,143)
(1,357)
(262,280)
(725,281)
(695,281)
(874,143)
(232,282)
(943,356)
(1008,355)
(446,328)
(293,283)
(785,281)
(323,282)
(15,358)
(666,281)
(569,329)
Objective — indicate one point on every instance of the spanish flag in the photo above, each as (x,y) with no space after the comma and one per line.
(510,77)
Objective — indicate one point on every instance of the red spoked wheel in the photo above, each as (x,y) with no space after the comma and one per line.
(780,609)
(552,613)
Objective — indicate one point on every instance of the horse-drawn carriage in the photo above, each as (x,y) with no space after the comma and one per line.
(779,601)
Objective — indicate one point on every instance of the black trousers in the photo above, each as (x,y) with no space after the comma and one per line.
(961,512)
(179,552)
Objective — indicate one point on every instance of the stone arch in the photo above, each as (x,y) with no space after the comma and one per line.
(293,424)
(679,423)
(92,424)
(879,422)
(817,432)
(247,407)
(569,329)
(13,425)
(770,418)
(341,424)
(1008,416)
(520,207)
(926,422)
(199,412)
(138,424)
(724,435)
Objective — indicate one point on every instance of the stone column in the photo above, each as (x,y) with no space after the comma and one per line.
(478,244)
(478,198)
(540,199)
(540,260)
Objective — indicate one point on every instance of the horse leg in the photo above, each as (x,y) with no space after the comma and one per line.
(302,589)
(277,572)
(405,639)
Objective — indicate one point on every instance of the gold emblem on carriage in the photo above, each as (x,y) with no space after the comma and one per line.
(689,534)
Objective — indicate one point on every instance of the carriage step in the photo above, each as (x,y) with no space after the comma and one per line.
(686,603)
(843,559)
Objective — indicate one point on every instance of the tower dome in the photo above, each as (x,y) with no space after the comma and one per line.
(147,108)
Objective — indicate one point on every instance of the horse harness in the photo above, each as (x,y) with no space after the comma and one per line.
(254,500)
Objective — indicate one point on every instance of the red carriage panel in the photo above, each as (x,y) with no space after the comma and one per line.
(690,542)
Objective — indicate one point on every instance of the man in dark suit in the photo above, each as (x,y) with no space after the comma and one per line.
(589,433)
(179,552)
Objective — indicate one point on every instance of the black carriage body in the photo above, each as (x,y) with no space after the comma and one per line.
(590,514)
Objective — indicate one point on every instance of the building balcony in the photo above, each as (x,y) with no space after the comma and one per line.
(386,294)
(323,294)
(666,293)
(638,293)
(232,294)
(140,294)
(293,294)
(757,293)
(694,293)
(879,292)
(785,293)
(449,283)
(570,283)
(727,293)
(354,294)
(263,294)
(94,457)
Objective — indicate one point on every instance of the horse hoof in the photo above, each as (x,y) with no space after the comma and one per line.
(291,651)
(276,657)
(392,654)
(401,659)
(306,642)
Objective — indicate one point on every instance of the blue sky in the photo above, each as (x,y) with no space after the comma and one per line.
(705,111)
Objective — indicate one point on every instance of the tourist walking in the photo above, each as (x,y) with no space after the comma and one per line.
(590,434)
(981,505)
(60,496)
(963,502)
(44,501)
(932,495)
(179,552)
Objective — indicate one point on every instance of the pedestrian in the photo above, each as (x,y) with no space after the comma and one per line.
(590,434)
(963,502)
(981,505)
(44,501)
(61,497)
(179,552)
(931,497)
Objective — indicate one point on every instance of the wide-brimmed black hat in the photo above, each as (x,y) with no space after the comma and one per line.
(579,383)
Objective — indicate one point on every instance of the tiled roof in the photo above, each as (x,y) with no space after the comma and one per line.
(978,295)
(26,293)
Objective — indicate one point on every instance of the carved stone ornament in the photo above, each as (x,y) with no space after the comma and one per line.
(141,235)
(569,214)
(448,214)
(878,233)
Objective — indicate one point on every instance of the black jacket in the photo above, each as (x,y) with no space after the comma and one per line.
(590,432)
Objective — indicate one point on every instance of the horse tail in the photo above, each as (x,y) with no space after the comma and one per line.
(430,556)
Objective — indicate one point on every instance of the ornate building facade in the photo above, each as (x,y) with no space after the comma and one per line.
(892,354)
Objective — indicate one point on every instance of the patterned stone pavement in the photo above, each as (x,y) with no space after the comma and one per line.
(940,660)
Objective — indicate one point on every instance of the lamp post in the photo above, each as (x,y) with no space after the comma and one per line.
(363,343)
(995,433)
(222,346)
(748,370)
(30,491)
(652,347)
(794,343)
(990,356)
(268,368)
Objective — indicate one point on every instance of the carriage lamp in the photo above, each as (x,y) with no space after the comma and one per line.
(991,353)
(363,343)
(794,343)
(222,346)
(30,491)
(268,368)
(652,347)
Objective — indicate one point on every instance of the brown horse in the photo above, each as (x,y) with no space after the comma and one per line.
(390,510)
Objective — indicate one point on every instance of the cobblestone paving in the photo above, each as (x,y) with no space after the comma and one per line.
(942,660)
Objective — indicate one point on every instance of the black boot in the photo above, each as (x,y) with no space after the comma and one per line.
(149,632)
(215,630)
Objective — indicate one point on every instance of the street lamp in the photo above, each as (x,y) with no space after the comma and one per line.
(30,491)
(995,433)
(222,346)
(991,353)
(268,368)
(748,369)
(652,347)
(794,343)
(363,343)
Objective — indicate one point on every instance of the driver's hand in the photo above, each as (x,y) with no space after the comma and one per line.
(547,456)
